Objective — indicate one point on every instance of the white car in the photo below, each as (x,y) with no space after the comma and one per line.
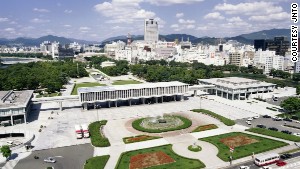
(296,134)
(49,160)
(248,122)
(244,167)
(256,117)
(250,119)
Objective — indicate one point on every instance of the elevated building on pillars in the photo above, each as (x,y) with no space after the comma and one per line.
(14,106)
(146,93)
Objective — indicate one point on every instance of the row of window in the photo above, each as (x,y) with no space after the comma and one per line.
(119,94)
(11,112)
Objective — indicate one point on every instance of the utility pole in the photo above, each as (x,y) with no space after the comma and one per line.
(77,70)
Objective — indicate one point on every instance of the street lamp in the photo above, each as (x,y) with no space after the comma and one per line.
(97,107)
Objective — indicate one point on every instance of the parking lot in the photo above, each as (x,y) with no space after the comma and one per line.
(67,157)
(269,122)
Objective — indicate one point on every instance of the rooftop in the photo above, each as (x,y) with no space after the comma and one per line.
(236,82)
(129,86)
(10,99)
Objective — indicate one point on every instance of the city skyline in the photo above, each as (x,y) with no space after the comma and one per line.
(98,20)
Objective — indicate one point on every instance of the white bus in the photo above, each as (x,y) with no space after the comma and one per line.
(78,131)
(267,159)
(85,131)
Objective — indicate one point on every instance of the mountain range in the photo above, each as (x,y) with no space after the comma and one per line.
(244,38)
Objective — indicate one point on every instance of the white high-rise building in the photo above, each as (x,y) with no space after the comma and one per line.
(151,30)
(267,60)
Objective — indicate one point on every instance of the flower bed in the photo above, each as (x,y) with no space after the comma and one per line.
(138,138)
(149,160)
(205,127)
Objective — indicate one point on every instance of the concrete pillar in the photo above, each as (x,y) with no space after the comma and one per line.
(216,92)
(108,103)
(143,100)
(60,106)
(11,120)
(239,96)
(25,121)
(226,95)
(156,99)
(129,102)
(175,98)
(116,103)
(232,96)
(182,98)
(162,99)
(222,94)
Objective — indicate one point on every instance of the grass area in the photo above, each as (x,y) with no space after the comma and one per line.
(137,125)
(98,162)
(205,127)
(139,138)
(180,162)
(241,149)
(224,120)
(124,82)
(49,95)
(196,149)
(97,139)
(276,134)
(87,84)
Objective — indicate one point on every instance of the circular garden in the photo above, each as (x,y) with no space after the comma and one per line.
(160,124)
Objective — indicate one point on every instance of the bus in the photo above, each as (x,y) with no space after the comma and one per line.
(266,159)
(78,131)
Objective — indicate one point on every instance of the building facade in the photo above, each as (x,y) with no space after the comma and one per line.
(132,93)
(14,106)
(151,30)
(235,88)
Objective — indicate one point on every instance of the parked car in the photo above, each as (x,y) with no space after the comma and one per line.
(49,160)
(287,119)
(248,122)
(256,117)
(273,128)
(281,163)
(250,119)
(244,167)
(285,156)
(296,134)
(286,132)
(261,126)
(266,116)
(277,118)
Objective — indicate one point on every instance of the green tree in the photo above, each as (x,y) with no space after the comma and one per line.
(292,104)
(6,151)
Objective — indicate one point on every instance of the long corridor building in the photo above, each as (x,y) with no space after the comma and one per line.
(132,93)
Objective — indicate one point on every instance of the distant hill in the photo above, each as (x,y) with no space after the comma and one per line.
(268,34)
(22,41)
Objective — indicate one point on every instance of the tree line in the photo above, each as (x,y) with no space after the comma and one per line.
(35,75)
(27,55)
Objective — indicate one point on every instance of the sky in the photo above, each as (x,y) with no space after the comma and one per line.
(100,19)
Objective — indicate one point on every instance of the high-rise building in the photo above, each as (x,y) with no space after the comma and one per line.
(151,30)
(268,60)
(280,45)
(235,58)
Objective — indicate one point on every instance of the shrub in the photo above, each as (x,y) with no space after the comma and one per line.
(197,149)
(97,139)
(226,121)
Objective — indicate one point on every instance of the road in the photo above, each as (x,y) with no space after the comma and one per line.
(292,163)
(66,157)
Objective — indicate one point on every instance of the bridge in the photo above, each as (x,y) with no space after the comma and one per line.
(58,99)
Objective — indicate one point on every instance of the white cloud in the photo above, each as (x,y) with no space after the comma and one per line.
(182,21)
(9,29)
(123,11)
(251,8)
(179,15)
(84,29)
(4,19)
(234,19)
(37,20)
(67,26)
(40,10)
(213,15)
(202,28)
(13,22)
(278,17)
(190,26)
(68,11)
(116,27)
(174,26)
(170,2)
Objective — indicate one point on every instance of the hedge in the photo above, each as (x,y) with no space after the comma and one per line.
(276,134)
(98,162)
(96,137)
(226,121)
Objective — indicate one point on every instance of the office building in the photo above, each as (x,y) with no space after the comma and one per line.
(279,44)
(235,58)
(151,30)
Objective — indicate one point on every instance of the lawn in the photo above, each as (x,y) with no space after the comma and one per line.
(161,157)
(194,149)
(97,139)
(97,162)
(87,84)
(224,120)
(276,134)
(49,95)
(244,144)
(137,125)
(139,138)
(205,127)
(124,82)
